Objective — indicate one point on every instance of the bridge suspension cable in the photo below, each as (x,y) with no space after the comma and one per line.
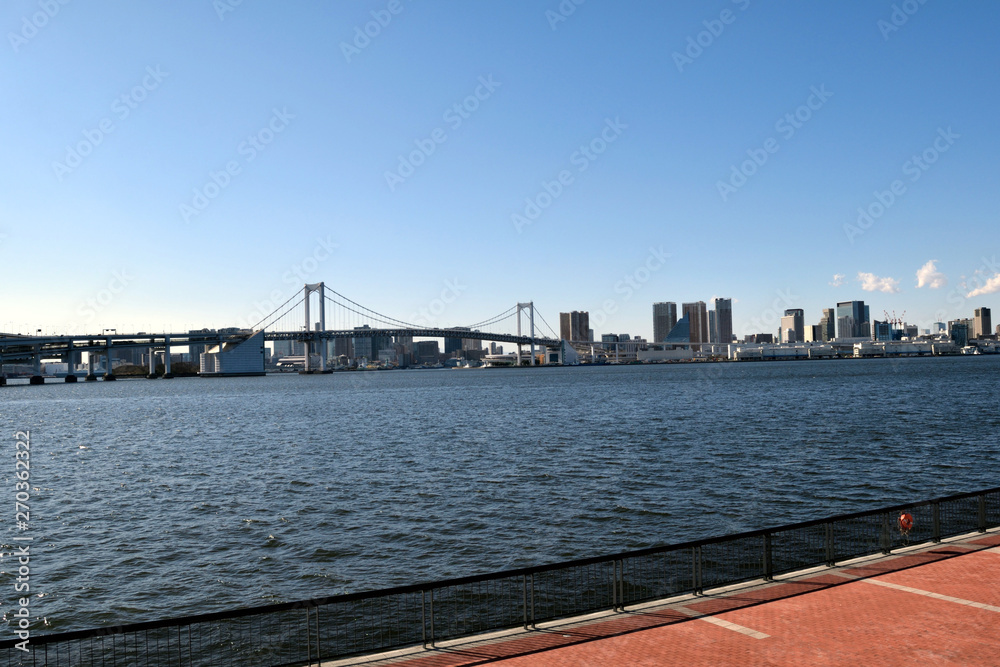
(551,331)
(369,312)
(257,326)
(497,318)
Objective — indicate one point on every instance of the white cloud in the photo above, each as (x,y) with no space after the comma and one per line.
(838,279)
(929,276)
(992,285)
(872,283)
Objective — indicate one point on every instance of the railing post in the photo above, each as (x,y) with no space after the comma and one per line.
(886,535)
(621,584)
(696,569)
(308,639)
(768,558)
(524,598)
(936,521)
(432,617)
(982,513)
(319,649)
(828,544)
(532,599)
(423,617)
(614,585)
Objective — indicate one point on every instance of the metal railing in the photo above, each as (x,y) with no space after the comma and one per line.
(305,632)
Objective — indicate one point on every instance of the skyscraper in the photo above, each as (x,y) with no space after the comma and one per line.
(697,315)
(786,332)
(983,323)
(713,328)
(574,326)
(664,319)
(797,323)
(852,319)
(724,320)
(827,325)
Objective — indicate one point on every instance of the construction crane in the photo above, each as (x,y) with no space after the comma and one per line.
(896,322)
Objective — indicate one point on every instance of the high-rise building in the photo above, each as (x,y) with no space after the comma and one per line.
(368,347)
(787,332)
(797,324)
(958,330)
(452,345)
(697,316)
(881,331)
(724,320)
(664,319)
(426,351)
(852,319)
(343,347)
(827,325)
(574,326)
(362,345)
(713,327)
(983,323)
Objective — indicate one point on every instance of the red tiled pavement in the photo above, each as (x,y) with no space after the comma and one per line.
(835,618)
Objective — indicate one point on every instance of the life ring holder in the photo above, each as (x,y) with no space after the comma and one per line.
(906,523)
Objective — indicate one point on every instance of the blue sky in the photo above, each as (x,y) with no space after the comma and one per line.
(185,164)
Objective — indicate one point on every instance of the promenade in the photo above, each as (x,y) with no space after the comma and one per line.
(936,604)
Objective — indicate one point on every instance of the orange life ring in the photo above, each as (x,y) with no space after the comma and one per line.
(906,521)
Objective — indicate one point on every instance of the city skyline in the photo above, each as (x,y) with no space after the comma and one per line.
(408,155)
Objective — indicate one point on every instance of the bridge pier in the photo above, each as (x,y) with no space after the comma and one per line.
(167,375)
(90,368)
(37,362)
(152,365)
(109,371)
(70,374)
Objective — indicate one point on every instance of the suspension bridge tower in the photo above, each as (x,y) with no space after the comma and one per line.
(313,335)
(530,307)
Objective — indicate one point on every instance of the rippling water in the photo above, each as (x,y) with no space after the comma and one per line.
(157,499)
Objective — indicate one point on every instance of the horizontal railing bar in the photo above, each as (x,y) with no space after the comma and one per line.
(459,581)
